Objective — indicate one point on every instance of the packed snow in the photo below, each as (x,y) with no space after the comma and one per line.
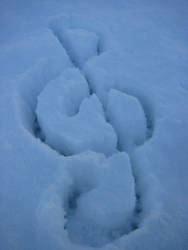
(104,207)
(128,119)
(81,44)
(94,102)
(71,121)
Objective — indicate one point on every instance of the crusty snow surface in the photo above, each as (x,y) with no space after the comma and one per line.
(94,125)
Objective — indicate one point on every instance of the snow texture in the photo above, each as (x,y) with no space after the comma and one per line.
(81,45)
(104,211)
(127,117)
(69,124)
(94,125)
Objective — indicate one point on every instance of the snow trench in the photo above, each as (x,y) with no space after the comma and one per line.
(99,134)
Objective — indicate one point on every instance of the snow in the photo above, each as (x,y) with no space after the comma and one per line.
(127,117)
(81,44)
(106,209)
(81,81)
(70,131)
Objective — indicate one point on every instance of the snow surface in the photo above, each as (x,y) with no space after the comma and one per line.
(79,40)
(69,124)
(128,119)
(81,81)
(106,208)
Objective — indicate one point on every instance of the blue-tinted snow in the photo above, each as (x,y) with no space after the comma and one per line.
(143,53)
(128,119)
(71,121)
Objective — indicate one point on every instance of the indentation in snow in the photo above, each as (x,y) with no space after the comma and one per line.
(103,213)
(80,45)
(86,130)
(127,117)
(77,110)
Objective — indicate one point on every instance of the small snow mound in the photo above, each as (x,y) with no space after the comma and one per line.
(126,115)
